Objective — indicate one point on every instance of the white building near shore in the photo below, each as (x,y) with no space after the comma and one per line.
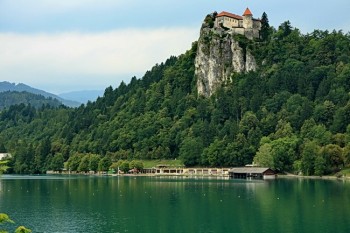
(4,156)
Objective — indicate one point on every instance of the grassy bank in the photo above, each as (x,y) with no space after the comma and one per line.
(345,172)
(155,163)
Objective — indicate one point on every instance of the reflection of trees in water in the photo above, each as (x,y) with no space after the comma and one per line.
(3,168)
(1,188)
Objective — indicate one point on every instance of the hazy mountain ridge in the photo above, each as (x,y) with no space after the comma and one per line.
(7,86)
(10,98)
(82,96)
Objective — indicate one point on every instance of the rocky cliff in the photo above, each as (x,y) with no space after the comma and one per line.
(219,54)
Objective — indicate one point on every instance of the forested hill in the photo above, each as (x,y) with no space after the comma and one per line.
(291,114)
(20,87)
(10,98)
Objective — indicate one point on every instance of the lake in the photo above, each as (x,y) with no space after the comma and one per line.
(175,204)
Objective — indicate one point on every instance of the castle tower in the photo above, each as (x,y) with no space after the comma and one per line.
(247,19)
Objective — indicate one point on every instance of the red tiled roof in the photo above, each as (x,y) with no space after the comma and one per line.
(227,14)
(247,12)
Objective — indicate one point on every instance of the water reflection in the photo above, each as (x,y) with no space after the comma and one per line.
(175,204)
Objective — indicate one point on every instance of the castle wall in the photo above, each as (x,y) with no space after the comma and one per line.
(240,31)
(256,24)
(227,22)
(248,21)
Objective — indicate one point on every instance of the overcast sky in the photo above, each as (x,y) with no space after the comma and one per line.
(68,45)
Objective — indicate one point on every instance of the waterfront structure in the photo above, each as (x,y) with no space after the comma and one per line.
(238,172)
(167,170)
(252,172)
(5,156)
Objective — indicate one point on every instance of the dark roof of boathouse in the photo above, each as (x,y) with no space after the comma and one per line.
(250,170)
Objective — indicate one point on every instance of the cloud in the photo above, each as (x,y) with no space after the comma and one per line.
(61,5)
(83,58)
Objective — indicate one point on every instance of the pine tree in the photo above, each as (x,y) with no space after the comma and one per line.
(2,148)
(265,27)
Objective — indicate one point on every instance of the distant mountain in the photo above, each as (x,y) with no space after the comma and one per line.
(82,96)
(9,98)
(7,86)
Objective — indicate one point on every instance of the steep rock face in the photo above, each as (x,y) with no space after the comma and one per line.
(218,55)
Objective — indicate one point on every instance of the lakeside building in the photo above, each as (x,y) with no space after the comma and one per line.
(252,172)
(165,170)
(5,156)
(237,172)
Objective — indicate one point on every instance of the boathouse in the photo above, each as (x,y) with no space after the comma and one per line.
(252,172)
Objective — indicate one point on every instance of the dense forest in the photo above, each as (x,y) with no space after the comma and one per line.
(292,114)
(10,98)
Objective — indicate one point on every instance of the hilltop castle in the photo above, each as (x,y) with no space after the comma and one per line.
(245,25)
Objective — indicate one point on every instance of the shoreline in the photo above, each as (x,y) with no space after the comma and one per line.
(224,176)
(283,176)
(292,176)
(198,176)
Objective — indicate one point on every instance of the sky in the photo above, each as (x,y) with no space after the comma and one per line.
(70,45)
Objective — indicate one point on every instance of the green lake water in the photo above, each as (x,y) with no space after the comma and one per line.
(175,204)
